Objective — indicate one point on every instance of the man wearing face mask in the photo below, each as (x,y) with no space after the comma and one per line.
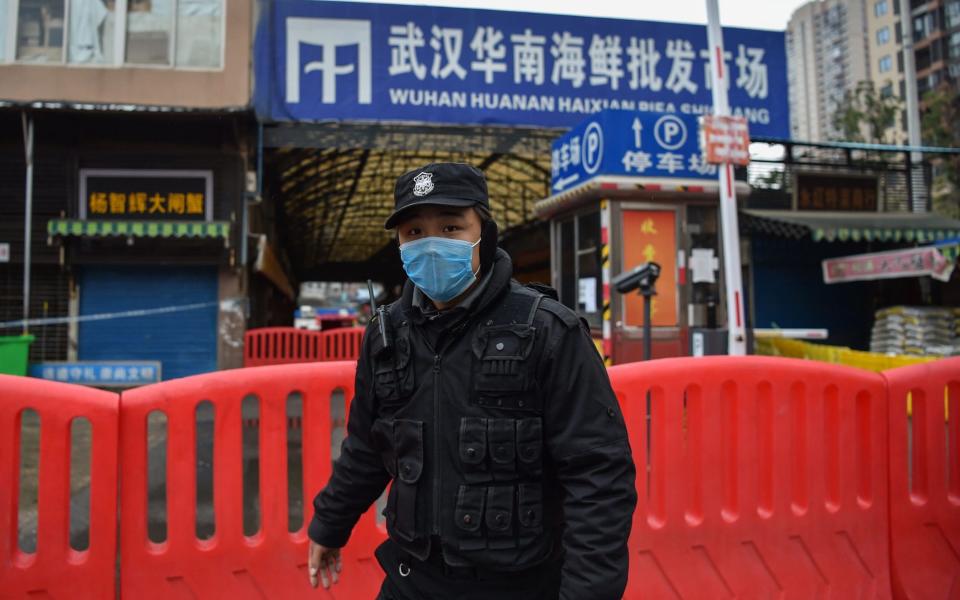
(485,405)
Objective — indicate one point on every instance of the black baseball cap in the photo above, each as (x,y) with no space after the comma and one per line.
(446,184)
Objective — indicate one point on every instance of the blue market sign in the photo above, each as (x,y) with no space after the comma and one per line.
(118,373)
(318,60)
(619,142)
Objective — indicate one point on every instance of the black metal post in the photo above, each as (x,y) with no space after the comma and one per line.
(647,293)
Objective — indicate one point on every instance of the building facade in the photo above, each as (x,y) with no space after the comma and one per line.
(141,129)
(885,45)
(827,55)
(834,44)
(936,39)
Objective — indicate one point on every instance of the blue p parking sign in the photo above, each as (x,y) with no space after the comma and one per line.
(629,143)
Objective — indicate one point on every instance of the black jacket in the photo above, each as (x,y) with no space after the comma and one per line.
(504,441)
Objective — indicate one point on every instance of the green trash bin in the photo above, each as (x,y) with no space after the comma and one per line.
(13,354)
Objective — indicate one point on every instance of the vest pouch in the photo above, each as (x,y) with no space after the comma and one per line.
(408,437)
(530,447)
(502,441)
(529,511)
(393,380)
(502,351)
(381,438)
(468,516)
(473,450)
(499,517)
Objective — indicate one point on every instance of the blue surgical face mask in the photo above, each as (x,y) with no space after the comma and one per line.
(442,268)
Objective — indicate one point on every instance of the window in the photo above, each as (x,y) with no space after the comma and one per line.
(924,25)
(880,8)
(580,277)
(954,50)
(4,7)
(149,32)
(883,36)
(170,33)
(91,38)
(886,63)
(887,90)
(40,31)
(952,13)
(199,33)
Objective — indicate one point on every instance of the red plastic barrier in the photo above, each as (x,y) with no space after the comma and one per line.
(272,563)
(760,478)
(281,345)
(343,344)
(55,569)
(925,480)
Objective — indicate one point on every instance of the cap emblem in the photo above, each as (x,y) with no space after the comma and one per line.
(422,184)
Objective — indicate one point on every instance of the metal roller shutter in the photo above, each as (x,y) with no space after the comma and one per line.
(184,341)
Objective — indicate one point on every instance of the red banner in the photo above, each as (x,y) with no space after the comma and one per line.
(912,262)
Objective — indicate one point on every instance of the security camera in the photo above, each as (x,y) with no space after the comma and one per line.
(642,277)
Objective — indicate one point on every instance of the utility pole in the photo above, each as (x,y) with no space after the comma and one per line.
(28,216)
(730,233)
(919,193)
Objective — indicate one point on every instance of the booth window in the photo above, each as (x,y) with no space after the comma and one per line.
(580,276)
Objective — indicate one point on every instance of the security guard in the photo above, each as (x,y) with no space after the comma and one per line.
(486,405)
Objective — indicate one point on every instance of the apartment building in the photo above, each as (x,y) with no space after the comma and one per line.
(885,48)
(936,41)
(827,54)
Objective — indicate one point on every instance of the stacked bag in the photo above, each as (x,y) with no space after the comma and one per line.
(916,331)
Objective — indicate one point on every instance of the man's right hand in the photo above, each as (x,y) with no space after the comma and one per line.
(324,564)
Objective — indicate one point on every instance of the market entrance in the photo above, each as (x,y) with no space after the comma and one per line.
(328,188)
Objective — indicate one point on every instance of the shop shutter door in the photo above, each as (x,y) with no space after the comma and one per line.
(184,341)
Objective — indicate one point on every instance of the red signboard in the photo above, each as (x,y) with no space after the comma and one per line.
(912,262)
(651,236)
(725,139)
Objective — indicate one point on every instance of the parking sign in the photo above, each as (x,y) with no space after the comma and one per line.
(619,142)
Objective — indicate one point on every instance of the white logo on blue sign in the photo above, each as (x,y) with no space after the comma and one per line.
(670,132)
(592,148)
(328,35)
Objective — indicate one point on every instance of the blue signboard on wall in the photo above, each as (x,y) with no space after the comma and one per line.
(99,373)
(318,60)
(620,142)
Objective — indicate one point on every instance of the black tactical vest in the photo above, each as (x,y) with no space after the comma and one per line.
(460,430)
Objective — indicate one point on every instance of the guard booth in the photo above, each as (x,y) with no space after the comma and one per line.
(628,189)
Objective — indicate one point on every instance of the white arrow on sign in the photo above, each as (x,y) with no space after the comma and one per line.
(637,128)
(565,181)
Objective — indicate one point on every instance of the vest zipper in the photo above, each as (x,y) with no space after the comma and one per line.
(436,444)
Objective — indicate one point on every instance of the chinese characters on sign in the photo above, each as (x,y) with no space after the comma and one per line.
(912,262)
(99,374)
(146,195)
(626,143)
(650,236)
(323,60)
(827,192)
(725,139)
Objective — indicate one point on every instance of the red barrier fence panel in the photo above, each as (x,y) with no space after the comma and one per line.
(343,344)
(281,345)
(57,569)
(272,562)
(757,478)
(925,479)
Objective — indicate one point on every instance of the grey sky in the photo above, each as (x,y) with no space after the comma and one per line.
(765,14)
